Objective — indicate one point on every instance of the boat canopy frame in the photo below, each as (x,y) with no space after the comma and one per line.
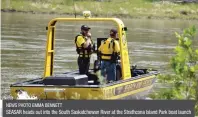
(50,48)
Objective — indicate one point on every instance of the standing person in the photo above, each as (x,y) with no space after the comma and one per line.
(84,46)
(109,51)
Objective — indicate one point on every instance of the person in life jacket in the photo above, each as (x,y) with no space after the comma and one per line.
(109,52)
(84,47)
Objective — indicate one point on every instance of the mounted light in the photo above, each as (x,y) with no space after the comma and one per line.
(87,14)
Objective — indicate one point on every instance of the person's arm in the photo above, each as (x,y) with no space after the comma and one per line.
(81,42)
(117,47)
(117,50)
(87,43)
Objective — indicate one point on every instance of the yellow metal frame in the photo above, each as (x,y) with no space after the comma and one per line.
(125,63)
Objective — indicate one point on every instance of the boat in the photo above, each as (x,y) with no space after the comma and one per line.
(131,83)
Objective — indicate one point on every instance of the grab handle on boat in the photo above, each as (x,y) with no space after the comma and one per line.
(51,51)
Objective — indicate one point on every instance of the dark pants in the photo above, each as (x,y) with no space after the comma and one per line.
(108,68)
(83,65)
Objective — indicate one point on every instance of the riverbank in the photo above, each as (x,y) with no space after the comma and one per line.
(116,8)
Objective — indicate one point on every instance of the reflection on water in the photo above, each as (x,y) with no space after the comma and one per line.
(23,41)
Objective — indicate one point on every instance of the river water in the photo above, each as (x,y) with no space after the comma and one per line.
(23,42)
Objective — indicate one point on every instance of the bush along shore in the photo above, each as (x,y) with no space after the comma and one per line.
(154,9)
(184,80)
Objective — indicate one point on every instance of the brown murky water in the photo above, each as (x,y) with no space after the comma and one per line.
(23,42)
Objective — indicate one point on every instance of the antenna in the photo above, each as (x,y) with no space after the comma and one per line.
(74,9)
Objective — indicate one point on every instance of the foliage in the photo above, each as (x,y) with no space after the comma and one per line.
(101,79)
(185,65)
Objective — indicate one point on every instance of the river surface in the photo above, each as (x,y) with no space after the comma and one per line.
(23,42)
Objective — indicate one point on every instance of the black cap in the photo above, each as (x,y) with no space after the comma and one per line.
(85,27)
(114,31)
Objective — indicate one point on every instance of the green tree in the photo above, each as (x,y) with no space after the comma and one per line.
(184,81)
